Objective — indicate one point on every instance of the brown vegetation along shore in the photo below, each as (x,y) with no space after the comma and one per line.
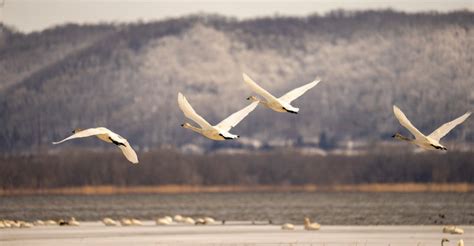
(175,189)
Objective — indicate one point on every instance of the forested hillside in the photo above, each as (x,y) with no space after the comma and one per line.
(126,77)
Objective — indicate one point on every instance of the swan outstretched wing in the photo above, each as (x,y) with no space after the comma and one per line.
(295,93)
(406,123)
(447,127)
(128,152)
(86,133)
(236,117)
(257,89)
(190,113)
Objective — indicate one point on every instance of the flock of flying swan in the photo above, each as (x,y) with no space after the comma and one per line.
(281,104)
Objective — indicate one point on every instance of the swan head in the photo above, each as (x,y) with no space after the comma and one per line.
(400,137)
(77,130)
(186,125)
(252,98)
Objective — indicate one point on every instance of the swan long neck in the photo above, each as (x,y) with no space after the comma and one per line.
(306,221)
(256,99)
(193,128)
(401,137)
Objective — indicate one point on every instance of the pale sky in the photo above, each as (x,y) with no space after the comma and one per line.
(37,15)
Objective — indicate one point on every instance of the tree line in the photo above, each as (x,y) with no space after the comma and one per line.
(73,168)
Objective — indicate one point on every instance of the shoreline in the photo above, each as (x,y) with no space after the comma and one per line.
(182,189)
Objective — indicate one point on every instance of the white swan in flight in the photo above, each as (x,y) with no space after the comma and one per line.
(219,131)
(108,136)
(281,104)
(430,142)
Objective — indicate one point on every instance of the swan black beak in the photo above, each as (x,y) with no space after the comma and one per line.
(393,136)
(248,98)
(182,125)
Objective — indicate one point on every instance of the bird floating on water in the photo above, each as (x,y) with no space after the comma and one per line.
(443,240)
(430,142)
(281,104)
(453,230)
(189,221)
(209,220)
(311,226)
(219,131)
(110,222)
(178,218)
(287,226)
(164,221)
(108,136)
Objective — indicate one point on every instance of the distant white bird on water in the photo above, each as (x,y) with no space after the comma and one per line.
(125,222)
(136,222)
(219,131)
(50,222)
(209,220)
(443,240)
(430,142)
(39,223)
(110,222)
(108,136)
(311,226)
(281,104)
(287,226)
(164,221)
(453,230)
(189,221)
(178,218)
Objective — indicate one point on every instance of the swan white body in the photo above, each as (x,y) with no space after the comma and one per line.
(108,136)
(281,104)
(311,226)
(453,230)
(164,221)
(136,222)
(125,222)
(443,240)
(430,142)
(219,131)
(73,222)
(287,226)
(189,221)
(39,223)
(209,220)
(109,222)
(461,242)
(178,218)
(50,222)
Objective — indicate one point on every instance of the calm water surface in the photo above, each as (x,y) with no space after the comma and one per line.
(326,208)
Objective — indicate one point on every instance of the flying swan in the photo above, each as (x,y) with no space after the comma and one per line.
(219,131)
(108,136)
(281,104)
(430,142)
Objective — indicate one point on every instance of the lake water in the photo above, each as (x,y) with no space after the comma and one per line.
(326,208)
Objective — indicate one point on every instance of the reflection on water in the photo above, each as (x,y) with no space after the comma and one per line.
(325,208)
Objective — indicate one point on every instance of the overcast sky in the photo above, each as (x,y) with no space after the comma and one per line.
(36,15)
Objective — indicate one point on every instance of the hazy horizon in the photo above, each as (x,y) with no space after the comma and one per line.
(29,16)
